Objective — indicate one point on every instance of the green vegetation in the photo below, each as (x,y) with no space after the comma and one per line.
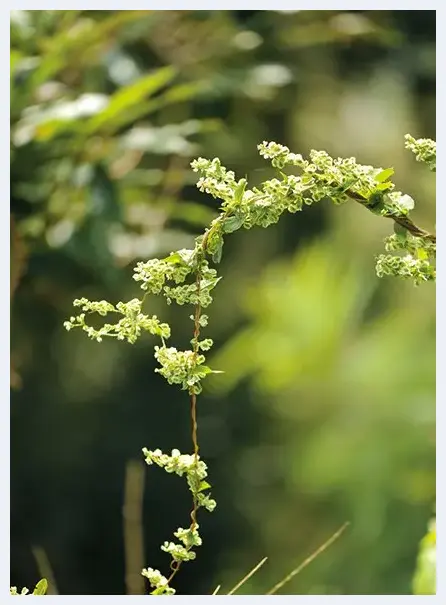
(322,177)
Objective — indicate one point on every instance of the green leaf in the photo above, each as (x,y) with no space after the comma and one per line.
(187,257)
(175,94)
(240,190)
(181,92)
(204,485)
(232,223)
(400,231)
(422,254)
(206,284)
(41,587)
(174,258)
(215,246)
(217,254)
(383,186)
(204,370)
(181,257)
(384,175)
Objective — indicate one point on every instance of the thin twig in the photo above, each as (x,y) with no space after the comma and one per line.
(309,559)
(216,590)
(404,221)
(175,565)
(248,575)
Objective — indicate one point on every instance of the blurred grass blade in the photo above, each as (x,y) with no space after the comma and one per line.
(46,571)
(308,560)
(183,92)
(216,590)
(248,575)
(175,94)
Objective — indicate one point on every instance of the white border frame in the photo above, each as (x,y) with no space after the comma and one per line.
(441,319)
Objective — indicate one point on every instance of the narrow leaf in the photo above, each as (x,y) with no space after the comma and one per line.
(383,186)
(384,175)
(129,96)
(216,256)
(240,190)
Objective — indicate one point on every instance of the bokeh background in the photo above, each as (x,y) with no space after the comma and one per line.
(326,410)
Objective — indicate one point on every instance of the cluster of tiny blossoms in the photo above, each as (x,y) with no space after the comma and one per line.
(417,262)
(425,150)
(321,176)
(418,253)
(195,471)
(132,324)
(13,591)
(155,276)
(184,367)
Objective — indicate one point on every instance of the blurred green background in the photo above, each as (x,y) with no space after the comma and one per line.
(326,410)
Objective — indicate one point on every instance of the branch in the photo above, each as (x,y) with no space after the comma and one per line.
(404,221)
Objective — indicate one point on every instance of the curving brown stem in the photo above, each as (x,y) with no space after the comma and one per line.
(175,565)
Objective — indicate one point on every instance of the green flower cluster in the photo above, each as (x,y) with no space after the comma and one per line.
(185,464)
(326,177)
(196,473)
(154,273)
(417,269)
(184,367)
(425,150)
(322,177)
(418,262)
(158,582)
(132,324)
